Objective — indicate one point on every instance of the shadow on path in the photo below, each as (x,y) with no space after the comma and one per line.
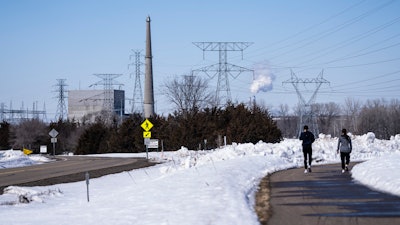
(327,196)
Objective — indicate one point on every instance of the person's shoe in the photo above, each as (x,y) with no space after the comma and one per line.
(347,168)
(309,169)
(305,171)
(342,171)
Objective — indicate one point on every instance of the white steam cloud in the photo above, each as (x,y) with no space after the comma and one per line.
(263,78)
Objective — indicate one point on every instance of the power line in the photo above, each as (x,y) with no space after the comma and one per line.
(304,31)
(350,41)
(107,81)
(137,101)
(61,107)
(316,37)
(306,115)
(223,69)
(364,64)
(370,79)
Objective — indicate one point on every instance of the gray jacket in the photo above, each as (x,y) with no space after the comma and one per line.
(344,144)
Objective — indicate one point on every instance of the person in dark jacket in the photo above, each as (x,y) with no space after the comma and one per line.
(345,148)
(308,138)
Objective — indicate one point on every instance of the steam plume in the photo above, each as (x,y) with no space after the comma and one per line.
(263,78)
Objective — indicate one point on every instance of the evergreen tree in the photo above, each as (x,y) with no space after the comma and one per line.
(129,136)
(4,135)
(94,139)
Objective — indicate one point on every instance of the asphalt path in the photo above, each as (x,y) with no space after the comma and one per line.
(326,196)
(68,169)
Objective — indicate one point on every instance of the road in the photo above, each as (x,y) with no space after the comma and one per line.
(326,196)
(68,169)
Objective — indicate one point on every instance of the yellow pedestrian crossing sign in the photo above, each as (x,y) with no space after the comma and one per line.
(146,125)
(146,134)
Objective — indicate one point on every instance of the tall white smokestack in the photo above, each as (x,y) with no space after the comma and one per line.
(148,78)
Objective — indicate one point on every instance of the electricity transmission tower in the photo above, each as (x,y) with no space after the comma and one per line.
(108,80)
(61,107)
(137,100)
(306,113)
(223,69)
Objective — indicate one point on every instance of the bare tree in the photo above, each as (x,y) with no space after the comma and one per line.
(188,94)
(29,134)
(287,123)
(394,115)
(329,113)
(283,110)
(352,110)
(374,117)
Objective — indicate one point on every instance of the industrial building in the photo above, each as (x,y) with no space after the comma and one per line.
(86,105)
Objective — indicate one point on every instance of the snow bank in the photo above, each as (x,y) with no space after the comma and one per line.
(380,173)
(190,187)
(16,158)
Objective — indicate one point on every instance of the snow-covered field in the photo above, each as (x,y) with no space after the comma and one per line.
(189,187)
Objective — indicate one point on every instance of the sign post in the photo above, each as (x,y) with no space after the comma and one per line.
(87,185)
(53,134)
(147,125)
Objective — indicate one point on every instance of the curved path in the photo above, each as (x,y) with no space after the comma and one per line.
(68,169)
(326,196)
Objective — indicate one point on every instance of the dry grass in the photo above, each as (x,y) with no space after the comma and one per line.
(262,207)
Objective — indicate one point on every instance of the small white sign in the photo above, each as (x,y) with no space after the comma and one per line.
(43,149)
(53,140)
(153,143)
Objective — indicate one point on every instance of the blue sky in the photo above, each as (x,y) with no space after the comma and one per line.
(356,43)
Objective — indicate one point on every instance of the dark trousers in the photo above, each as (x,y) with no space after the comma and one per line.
(307,151)
(345,156)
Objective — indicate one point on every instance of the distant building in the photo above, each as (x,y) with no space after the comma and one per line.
(85,105)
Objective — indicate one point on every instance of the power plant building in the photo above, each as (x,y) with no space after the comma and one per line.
(85,105)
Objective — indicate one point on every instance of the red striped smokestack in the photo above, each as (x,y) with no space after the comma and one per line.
(148,78)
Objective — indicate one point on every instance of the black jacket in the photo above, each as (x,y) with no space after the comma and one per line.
(307,138)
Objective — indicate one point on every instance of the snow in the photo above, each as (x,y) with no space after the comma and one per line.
(189,187)
(380,173)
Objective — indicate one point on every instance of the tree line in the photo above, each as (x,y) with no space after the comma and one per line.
(379,116)
(198,129)
(202,129)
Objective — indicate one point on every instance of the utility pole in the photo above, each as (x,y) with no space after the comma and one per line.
(137,100)
(223,69)
(108,80)
(61,107)
(306,114)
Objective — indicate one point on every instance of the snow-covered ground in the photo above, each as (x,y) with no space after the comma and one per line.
(189,187)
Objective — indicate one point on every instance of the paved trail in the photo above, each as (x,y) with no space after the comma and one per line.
(326,196)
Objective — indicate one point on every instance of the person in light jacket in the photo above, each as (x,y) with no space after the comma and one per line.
(344,147)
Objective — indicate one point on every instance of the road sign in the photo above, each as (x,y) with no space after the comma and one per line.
(53,133)
(146,134)
(43,149)
(27,151)
(146,125)
(153,143)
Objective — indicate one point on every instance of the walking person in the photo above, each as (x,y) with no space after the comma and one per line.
(345,147)
(308,138)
